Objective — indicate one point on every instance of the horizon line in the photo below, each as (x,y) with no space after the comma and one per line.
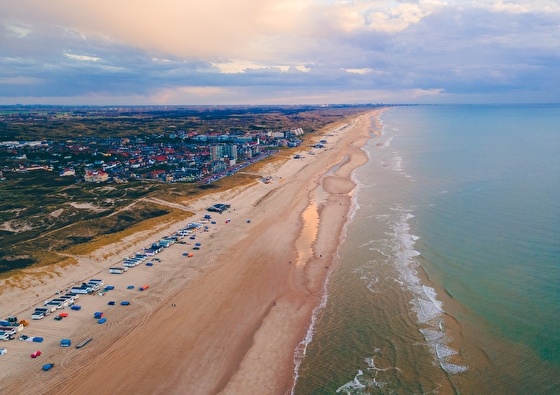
(283,105)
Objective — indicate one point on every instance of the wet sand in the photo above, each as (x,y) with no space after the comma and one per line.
(227,320)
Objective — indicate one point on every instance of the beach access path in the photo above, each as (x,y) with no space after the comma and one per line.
(226,320)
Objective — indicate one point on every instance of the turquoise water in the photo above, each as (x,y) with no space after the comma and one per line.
(449,275)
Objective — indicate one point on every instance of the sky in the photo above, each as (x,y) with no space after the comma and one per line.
(137,52)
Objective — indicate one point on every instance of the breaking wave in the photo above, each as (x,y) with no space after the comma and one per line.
(427,308)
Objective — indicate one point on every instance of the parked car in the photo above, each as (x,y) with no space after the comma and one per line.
(65,343)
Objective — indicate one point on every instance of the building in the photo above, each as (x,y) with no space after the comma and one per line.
(220,151)
(96,176)
(68,172)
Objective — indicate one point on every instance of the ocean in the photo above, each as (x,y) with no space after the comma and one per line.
(448,280)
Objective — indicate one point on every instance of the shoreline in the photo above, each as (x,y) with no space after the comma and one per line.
(230,318)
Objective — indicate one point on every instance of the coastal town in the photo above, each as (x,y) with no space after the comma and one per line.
(172,156)
(71,174)
(155,143)
(145,266)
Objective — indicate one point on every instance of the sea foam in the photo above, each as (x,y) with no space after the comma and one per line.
(362,383)
(352,386)
(301,348)
(428,309)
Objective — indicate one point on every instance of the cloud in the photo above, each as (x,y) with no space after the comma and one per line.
(191,30)
(216,30)
(274,49)
(518,6)
(184,94)
(17,31)
(19,80)
(426,92)
(362,71)
(240,66)
(84,58)
(397,18)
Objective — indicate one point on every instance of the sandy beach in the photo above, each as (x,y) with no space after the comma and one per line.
(227,320)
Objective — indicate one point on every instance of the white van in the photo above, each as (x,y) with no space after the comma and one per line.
(37,315)
(69,299)
(64,302)
(45,310)
(53,303)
